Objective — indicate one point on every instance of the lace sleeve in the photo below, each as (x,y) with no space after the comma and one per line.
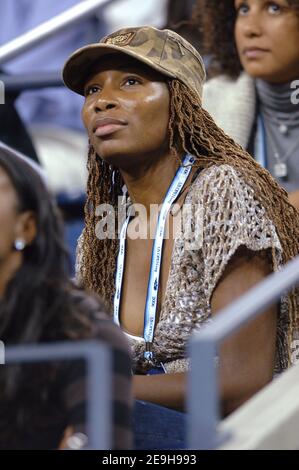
(233,218)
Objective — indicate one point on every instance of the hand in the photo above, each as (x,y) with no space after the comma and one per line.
(66,435)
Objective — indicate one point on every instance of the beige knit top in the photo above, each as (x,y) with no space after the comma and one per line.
(223,215)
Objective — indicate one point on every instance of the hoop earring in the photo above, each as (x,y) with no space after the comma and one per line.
(19,244)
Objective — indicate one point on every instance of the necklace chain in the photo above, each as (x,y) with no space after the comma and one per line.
(280,166)
(283,123)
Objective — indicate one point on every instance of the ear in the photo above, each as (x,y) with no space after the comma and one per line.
(27,227)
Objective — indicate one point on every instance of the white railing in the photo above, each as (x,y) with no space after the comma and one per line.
(49,28)
(98,375)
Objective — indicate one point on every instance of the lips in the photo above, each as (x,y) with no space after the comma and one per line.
(106,126)
(254,52)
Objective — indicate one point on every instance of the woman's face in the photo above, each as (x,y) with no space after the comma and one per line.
(9,217)
(267,39)
(126,111)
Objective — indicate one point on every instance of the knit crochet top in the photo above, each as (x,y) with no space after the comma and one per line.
(223,215)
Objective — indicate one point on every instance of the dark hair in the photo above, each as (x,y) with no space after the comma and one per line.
(45,267)
(40,303)
(215,20)
(179,15)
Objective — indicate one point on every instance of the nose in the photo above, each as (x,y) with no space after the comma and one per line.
(252,26)
(106,101)
(105,105)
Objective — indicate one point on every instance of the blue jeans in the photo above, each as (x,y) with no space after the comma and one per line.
(156,427)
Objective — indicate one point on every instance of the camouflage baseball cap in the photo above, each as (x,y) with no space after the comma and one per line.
(163,50)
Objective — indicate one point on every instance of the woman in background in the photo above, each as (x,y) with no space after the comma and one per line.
(254,53)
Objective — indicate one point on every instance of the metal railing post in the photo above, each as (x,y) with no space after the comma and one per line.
(98,358)
(99,418)
(203,386)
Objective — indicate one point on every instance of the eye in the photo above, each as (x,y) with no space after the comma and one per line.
(131,81)
(90,90)
(273,8)
(242,9)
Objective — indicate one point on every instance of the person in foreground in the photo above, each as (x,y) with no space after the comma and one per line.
(42,406)
(153,145)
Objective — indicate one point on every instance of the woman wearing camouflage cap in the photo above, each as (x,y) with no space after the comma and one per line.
(151,142)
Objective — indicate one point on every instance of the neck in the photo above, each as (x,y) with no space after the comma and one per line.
(276,97)
(8,269)
(148,184)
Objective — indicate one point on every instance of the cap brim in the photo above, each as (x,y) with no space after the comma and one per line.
(78,67)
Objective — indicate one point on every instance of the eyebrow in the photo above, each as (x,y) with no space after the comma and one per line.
(139,66)
(131,63)
(124,66)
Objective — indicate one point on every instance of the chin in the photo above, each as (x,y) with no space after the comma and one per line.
(258,71)
(269,77)
(106,151)
(116,159)
(262,69)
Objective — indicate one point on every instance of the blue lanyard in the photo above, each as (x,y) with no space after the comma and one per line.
(155,268)
(260,150)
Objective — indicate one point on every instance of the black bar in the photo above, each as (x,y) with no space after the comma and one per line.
(18,83)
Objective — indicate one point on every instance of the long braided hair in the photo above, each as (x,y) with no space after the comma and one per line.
(192,129)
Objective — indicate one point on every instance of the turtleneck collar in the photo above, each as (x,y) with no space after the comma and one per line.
(277,98)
